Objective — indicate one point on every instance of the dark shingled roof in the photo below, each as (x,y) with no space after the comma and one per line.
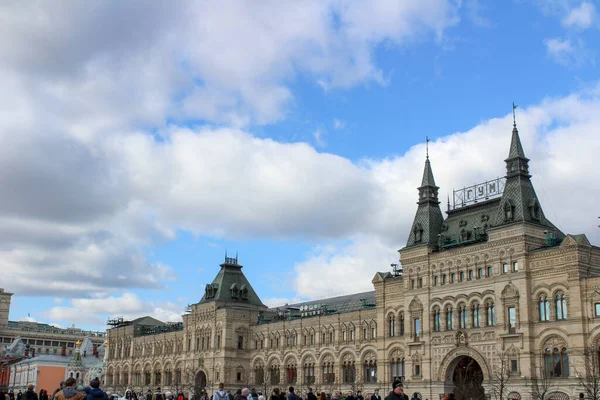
(341,304)
(231,274)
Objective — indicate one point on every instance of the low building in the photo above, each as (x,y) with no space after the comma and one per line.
(43,339)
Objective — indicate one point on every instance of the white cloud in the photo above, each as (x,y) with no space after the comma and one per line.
(129,306)
(338,124)
(319,134)
(567,52)
(581,17)
(28,319)
(559,136)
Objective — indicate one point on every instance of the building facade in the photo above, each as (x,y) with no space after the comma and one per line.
(42,339)
(490,297)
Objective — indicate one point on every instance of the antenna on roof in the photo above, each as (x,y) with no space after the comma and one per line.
(427,146)
(514,116)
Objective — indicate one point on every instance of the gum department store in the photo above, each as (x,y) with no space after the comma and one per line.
(493,289)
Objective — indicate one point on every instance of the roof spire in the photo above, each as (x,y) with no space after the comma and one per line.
(427,146)
(514,116)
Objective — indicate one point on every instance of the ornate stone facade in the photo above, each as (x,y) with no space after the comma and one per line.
(494,287)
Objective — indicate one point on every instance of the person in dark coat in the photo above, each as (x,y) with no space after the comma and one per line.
(376,396)
(397,393)
(96,393)
(30,394)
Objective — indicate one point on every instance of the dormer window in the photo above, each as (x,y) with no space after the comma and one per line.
(234,291)
(509,209)
(243,292)
(418,233)
(534,210)
(210,291)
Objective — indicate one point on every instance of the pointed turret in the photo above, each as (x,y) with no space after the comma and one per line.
(428,219)
(519,201)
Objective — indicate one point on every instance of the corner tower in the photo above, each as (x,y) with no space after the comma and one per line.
(5,298)
(519,201)
(428,221)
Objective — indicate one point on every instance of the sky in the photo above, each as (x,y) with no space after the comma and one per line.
(140,144)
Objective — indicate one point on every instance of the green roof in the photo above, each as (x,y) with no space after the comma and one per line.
(231,285)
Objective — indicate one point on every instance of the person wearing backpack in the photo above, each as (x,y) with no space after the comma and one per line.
(220,394)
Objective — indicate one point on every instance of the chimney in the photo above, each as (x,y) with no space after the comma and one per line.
(63,351)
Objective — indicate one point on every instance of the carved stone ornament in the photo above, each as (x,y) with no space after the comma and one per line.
(461,338)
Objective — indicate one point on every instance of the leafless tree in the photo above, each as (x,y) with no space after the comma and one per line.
(589,376)
(500,377)
(542,384)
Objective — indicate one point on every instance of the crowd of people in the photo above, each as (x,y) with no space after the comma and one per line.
(69,390)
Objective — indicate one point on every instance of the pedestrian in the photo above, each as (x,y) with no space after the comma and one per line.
(291,394)
(96,393)
(376,395)
(350,396)
(149,395)
(69,391)
(158,395)
(261,396)
(359,395)
(19,395)
(218,395)
(60,387)
(30,394)
(44,395)
(397,392)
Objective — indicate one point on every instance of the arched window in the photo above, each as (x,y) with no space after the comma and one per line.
(560,302)
(370,371)
(401,324)
(349,372)
(328,372)
(556,362)
(462,316)
(275,375)
(544,306)
(476,315)
(392,325)
(491,313)
(437,323)
(291,373)
(259,375)
(449,318)
(397,368)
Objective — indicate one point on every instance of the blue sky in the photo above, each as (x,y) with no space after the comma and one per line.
(146,143)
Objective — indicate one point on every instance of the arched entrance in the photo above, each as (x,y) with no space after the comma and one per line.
(199,383)
(467,378)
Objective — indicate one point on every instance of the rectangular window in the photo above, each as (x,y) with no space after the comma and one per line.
(324,338)
(420,283)
(412,283)
(331,338)
(489,271)
(373,333)
(449,320)
(470,274)
(435,280)
(514,366)
(461,277)
(515,266)
(417,370)
(504,268)
(444,279)
(452,277)
(597,308)
(312,338)
(365,333)
(512,318)
(344,336)
(479,273)
(417,326)
(239,376)
(352,335)
(240,343)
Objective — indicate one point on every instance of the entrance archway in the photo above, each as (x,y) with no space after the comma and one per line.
(467,378)
(199,383)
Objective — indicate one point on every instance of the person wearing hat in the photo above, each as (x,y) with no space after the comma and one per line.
(96,393)
(397,392)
